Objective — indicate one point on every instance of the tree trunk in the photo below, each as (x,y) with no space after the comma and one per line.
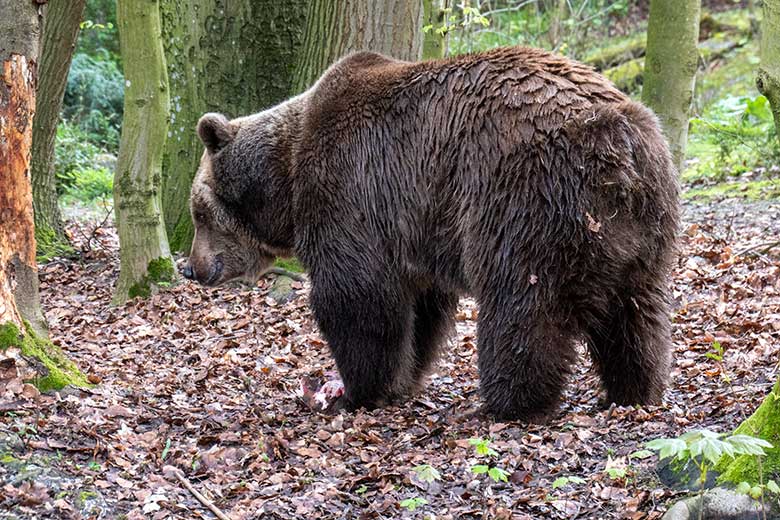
(670,68)
(146,262)
(231,57)
(434,44)
(556,24)
(768,80)
(61,28)
(333,29)
(19,34)
(21,321)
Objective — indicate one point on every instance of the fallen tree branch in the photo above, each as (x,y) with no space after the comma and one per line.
(203,500)
(764,247)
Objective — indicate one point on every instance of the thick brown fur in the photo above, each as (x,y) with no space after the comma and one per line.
(517,176)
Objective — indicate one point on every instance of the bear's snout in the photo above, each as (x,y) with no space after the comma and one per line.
(209,274)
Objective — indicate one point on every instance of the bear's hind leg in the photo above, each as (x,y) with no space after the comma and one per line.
(433,321)
(524,362)
(630,347)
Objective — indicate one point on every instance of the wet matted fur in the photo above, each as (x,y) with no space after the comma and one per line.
(517,176)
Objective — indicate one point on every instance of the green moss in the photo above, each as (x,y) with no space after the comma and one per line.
(617,51)
(7,459)
(180,238)
(86,495)
(755,190)
(49,244)
(61,370)
(10,336)
(627,76)
(160,272)
(290,264)
(764,423)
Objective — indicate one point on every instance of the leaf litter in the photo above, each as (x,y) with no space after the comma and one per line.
(206,384)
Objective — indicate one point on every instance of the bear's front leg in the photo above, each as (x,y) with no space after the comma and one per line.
(369,331)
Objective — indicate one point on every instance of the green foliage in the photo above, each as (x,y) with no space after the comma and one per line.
(706,448)
(565,481)
(99,35)
(410,504)
(531,23)
(427,473)
(94,98)
(91,184)
(73,153)
(737,135)
(482,447)
(757,491)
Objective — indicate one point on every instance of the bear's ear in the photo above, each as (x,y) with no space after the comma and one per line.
(215,131)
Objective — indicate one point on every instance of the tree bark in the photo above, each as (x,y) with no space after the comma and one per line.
(22,325)
(768,79)
(232,57)
(670,68)
(146,261)
(61,28)
(333,29)
(19,35)
(434,44)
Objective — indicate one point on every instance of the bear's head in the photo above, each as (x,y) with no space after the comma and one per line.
(241,199)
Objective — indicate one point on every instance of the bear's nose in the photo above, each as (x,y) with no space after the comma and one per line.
(187,272)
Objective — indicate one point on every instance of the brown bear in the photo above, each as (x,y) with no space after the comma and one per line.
(517,176)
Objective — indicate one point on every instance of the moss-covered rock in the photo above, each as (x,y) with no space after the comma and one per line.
(55,370)
(765,424)
(755,190)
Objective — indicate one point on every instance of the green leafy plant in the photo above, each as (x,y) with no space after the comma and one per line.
(91,184)
(410,504)
(758,491)
(566,481)
(705,449)
(483,449)
(426,473)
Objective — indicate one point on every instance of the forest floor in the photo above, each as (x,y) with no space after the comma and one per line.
(202,383)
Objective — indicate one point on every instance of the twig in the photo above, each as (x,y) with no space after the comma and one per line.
(284,272)
(766,246)
(203,500)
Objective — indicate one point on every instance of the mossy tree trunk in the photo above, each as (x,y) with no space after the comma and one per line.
(233,57)
(61,28)
(21,320)
(670,67)
(434,44)
(768,80)
(333,29)
(145,256)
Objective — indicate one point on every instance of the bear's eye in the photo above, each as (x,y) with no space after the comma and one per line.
(200,217)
